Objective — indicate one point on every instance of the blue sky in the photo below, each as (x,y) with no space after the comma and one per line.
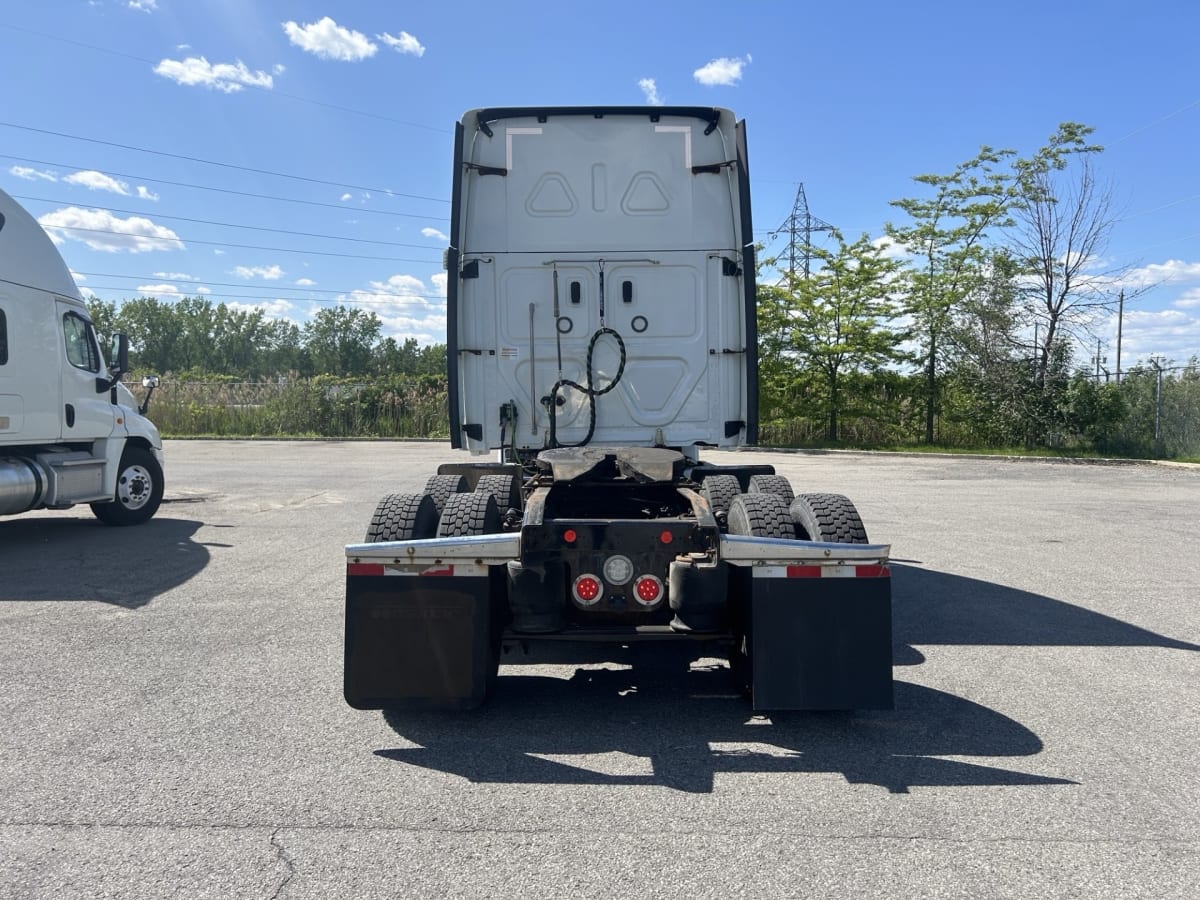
(332,127)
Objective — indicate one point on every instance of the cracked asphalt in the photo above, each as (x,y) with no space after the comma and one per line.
(173,726)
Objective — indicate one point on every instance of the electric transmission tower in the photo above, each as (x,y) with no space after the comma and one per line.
(800,226)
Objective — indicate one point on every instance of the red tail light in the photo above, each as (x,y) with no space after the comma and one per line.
(587,590)
(648,590)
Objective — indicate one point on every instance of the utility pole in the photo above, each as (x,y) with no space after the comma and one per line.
(1158,441)
(800,227)
(1097,359)
(1120,322)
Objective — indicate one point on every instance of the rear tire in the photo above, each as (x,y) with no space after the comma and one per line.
(827,517)
(772,484)
(139,490)
(760,515)
(439,487)
(503,488)
(403,517)
(719,491)
(469,515)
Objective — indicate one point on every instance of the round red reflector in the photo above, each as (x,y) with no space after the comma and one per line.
(570,536)
(665,537)
(587,588)
(648,589)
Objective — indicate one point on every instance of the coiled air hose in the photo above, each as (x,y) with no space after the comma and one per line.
(592,393)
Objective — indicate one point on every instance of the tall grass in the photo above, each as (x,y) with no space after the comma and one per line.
(394,407)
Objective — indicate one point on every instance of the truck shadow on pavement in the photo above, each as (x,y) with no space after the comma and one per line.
(665,725)
(630,727)
(938,608)
(74,558)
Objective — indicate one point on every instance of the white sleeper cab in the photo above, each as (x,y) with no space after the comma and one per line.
(70,431)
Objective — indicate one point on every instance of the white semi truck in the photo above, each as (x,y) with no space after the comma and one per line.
(70,431)
(601,331)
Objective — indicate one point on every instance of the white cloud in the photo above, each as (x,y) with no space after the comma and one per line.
(890,248)
(33,174)
(174,276)
(278,69)
(650,89)
(224,77)
(274,309)
(98,181)
(400,285)
(152,290)
(403,43)
(145,193)
(329,40)
(304,282)
(433,233)
(101,230)
(1173,271)
(1172,333)
(723,71)
(201,289)
(1188,299)
(405,306)
(267,273)
(143,5)
(77,276)
(345,197)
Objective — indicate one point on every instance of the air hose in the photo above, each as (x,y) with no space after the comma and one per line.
(592,393)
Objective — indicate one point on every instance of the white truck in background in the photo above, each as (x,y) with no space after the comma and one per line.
(70,431)
(602,330)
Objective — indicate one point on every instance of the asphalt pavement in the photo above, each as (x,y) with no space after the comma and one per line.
(173,725)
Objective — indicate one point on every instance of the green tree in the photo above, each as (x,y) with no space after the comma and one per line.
(946,236)
(154,331)
(838,319)
(393,357)
(778,369)
(104,317)
(341,341)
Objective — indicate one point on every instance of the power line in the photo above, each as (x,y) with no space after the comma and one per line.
(264,287)
(180,240)
(1159,121)
(210,162)
(270,90)
(134,212)
(347,299)
(203,187)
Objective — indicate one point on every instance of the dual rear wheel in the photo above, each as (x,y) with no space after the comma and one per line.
(445,509)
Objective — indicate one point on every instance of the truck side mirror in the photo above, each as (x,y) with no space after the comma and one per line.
(118,356)
(150,382)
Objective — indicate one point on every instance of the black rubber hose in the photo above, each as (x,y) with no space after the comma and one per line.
(592,393)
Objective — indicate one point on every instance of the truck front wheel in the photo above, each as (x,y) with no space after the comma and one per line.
(139,490)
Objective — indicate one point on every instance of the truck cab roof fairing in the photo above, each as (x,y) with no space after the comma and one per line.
(483,117)
(31,259)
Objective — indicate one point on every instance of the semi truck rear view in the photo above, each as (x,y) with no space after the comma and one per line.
(601,331)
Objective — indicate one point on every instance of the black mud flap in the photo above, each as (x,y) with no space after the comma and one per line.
(420,641)
(821,643)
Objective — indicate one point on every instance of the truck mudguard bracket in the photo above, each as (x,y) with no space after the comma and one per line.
(400,557)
